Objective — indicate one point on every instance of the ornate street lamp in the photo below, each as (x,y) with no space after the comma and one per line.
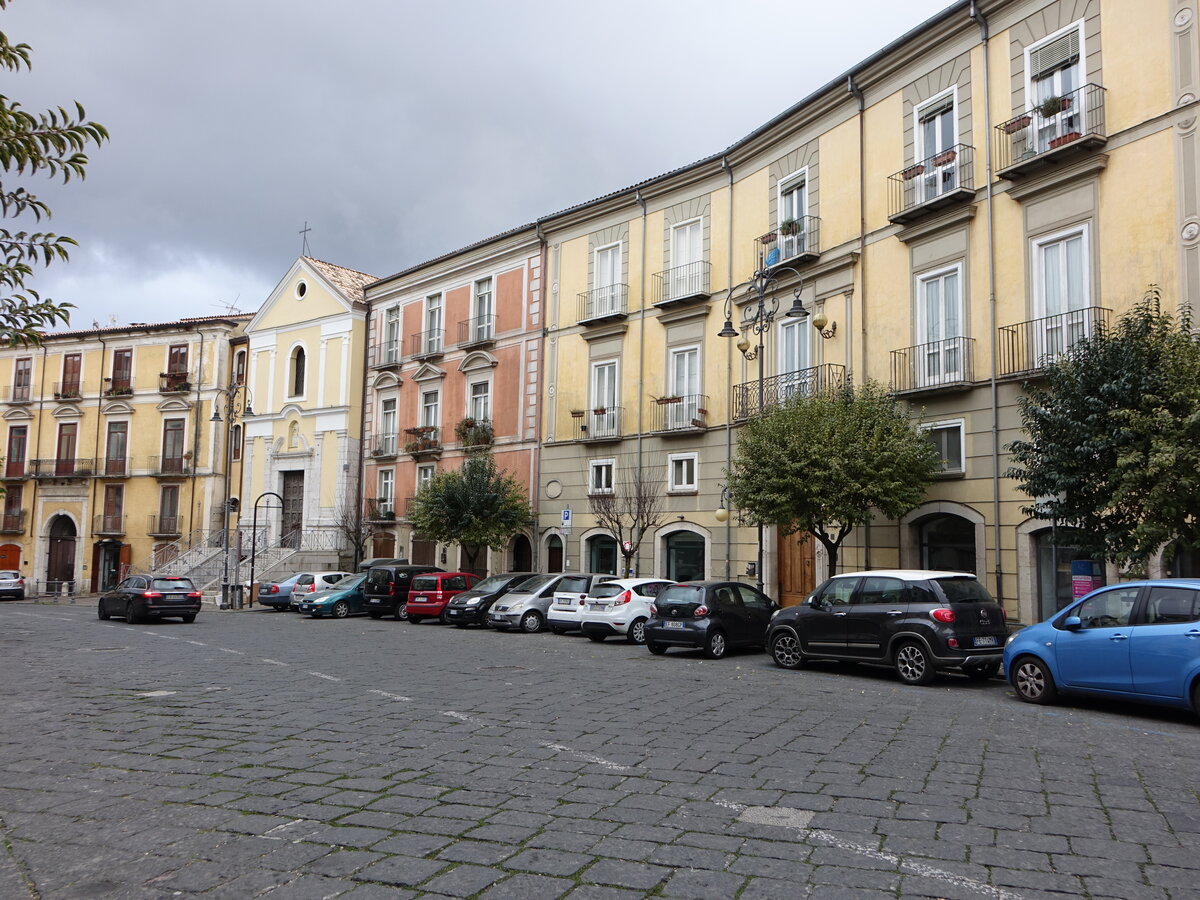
(236,399)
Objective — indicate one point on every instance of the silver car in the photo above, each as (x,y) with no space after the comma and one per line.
(525,606)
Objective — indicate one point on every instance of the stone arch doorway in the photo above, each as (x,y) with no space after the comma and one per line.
(684,554)
(60,565)
(522,554)
(947,543)
(554,553)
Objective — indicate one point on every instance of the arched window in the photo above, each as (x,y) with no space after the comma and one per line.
(297,372)
(235,442)
(685,556)
(947,543)
(239,367)
(602,554)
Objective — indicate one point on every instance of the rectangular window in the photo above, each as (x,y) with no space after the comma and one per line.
(684,372)
(114,508)
(607,294)
(480,403)
(13,507)
(122,371)
(947,439)
(172,446)
(793,210)
(116,448)
(387,428)
(430,409)
(14,462)
(1054,76)
(72,364)
(425,474)
(936,136)
(603,419)
(168,509)
(239,367)
(600,476)
(681,472)
(64,463)
(1061,292)
(687,254)
(177,359)
(433,323)
(22,378)
(485,312)
(939,358)
(386,497)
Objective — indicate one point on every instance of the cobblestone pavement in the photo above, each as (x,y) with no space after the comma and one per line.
(255,753)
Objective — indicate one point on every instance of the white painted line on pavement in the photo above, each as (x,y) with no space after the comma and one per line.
(463,717)
(589,757)
(399,697)
(156,693)
(323,675)
(273,662)
(227,650)
(198,643)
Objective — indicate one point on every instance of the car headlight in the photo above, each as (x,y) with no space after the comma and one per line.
(774,614)
(474,601)
(1012,637)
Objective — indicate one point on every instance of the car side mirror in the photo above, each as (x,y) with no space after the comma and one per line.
(1072,623)
(818,603)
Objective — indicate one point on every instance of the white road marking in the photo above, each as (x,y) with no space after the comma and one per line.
(323,675)
(273,662)
(588,757)
(227,650)
(156,693)
(399,697)
(198,643)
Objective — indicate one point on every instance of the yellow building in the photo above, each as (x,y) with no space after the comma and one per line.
(111,463)
(952,212)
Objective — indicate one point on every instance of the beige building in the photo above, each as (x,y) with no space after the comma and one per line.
(111,463)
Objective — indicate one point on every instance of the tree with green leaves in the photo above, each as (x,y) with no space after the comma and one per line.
(50,143)
(821,464)
(476,506)
(1113,446)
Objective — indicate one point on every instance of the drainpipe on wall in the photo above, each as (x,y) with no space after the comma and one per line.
(37,445)
(96,443)
(977,16)
(862,261)
(196,438)
(641,372)
(535,458)
(362,435)
(728,367)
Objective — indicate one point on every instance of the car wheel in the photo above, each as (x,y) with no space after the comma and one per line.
(598,638)
(101,611)
(416,620)
(785,650)
(374,614)
(1196,697)
(341,609)
(558,629)
(637,632)
(1032,681)
(401,612)
(531,622)
(131,615)
(656,649)
(189,618)
(913,664)
(715,646)
(281,608)
(982,672)
(443,618)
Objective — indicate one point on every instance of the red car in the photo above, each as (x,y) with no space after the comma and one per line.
(430,593)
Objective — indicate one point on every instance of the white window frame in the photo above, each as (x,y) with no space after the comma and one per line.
(680,415)
(959,425)
(472,411)
(1041,133)
(483,305)
(391,334)
(385,494)
(683,486)
(1059,330)
(596,466)
(606,297)
(937,179)
(792,244)
(951,364)
(433,318)
(435,406)
(425,473)
(388,417)
(686,283)
(604,424)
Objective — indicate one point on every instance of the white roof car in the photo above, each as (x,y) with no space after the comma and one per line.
(620,607)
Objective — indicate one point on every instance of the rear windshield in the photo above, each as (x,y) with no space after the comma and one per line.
(964,590)
(7,575)
(425,583)
(574,585)
(379,577)
(171,584)
(607,590)
(680,593)
(534,584)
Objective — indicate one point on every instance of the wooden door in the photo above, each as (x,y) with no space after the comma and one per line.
(423,550)
(293,508)
(797,569)
(383,546)
(10,557)
(60,569)
(65,460)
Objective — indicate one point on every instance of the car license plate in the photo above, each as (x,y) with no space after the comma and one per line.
(672,624)
(563,601)
(596,607)
(374,600)
(420,600)
(988,641)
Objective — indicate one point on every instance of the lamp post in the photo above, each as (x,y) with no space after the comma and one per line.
(254,531)
(236,399)
(758,317)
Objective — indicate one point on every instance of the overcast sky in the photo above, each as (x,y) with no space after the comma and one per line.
(398,130)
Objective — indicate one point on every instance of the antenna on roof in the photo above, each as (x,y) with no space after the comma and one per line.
(231,309)
(304,238)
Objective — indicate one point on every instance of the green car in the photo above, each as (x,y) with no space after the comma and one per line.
(343,598)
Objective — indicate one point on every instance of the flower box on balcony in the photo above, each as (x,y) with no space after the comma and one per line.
(945,157)
(599,410)
(912,172)
(1062,139)
(789,227)
(1017,125)
(768,238)
(119,392)
(578,413)
(697,423)
(664,401)
(1052,106)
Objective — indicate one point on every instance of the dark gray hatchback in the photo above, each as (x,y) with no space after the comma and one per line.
(915,620)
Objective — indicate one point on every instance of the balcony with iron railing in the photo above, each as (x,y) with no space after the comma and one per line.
(174,382)
(936,366)
(1048,132)
(1025,348)
(427,344)
(68,391)
(384,355)
(14,468)
(423,441)
(477,332)
(602,423)
(170,466)
(384,446)
(795,242)
(62,468)
(19,393)
(107,523)
(683,284)
(117,387)
(12,522)
(117,467)
(778,389)
(164,526)
(679,414)
(603,304)
(933,183)
(379,509)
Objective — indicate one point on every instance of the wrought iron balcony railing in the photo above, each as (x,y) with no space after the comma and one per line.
(676,413)
(384,446)
(68,390)
(14,468)
(1064,123)
(19,393)
(1029,346)
(932,183)
(937,364)
(794,242)
(174,382)
(602,423)
(112,468)
(164,526)
(12,522)
(61,468)
(106,523)
(117,387)
(427,344)
(479,330)
(599,304)
(384,355)
(683,283)
(423,440)
(169,466)
(778,389)
(379,509)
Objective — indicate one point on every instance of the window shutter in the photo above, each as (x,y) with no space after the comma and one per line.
(1055,55)
(945,104)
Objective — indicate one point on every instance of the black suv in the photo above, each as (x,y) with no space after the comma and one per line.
(385,592)
(917,621)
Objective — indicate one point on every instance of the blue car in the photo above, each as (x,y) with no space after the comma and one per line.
(1134,641)
(344,598)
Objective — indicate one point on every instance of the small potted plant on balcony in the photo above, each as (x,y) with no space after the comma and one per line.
(1018,124)
(768,238)
(912,172)
(668,399)
(789,226)
(1053,105)
(599,410)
